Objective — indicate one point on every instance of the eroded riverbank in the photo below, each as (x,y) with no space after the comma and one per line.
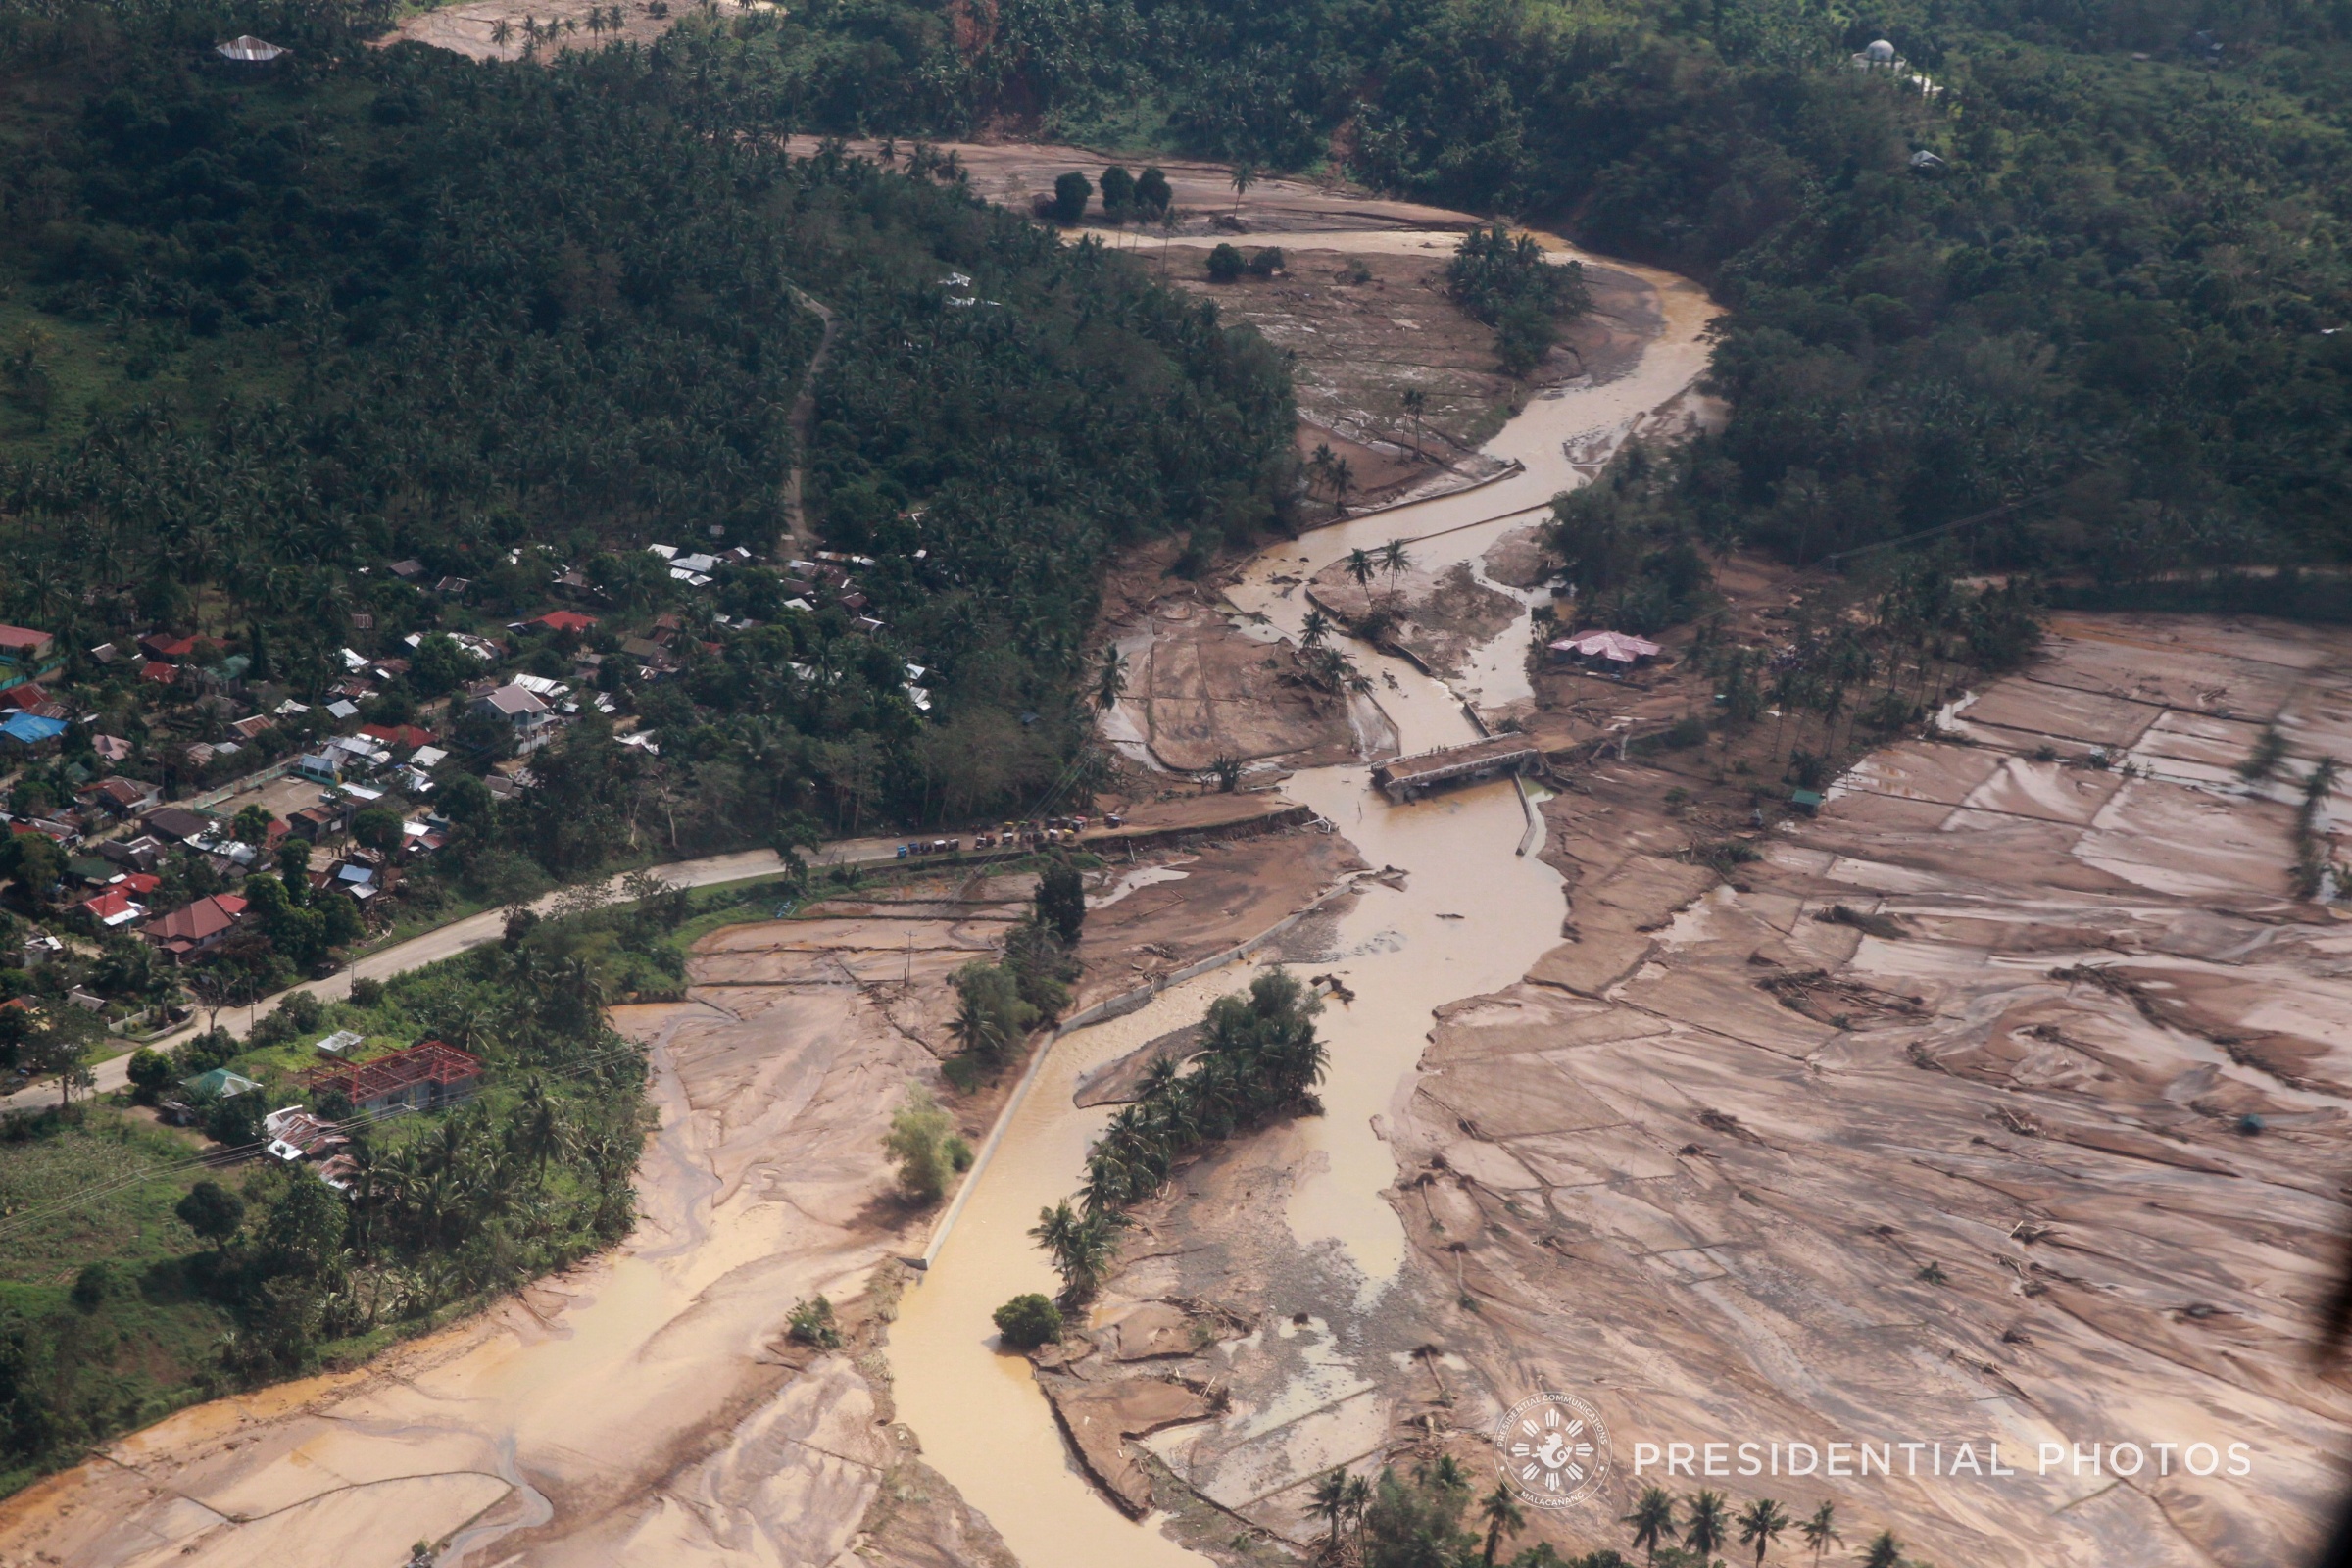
(648,1405)
(1458,910)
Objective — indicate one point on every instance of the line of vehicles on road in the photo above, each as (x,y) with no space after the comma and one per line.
(1012,835)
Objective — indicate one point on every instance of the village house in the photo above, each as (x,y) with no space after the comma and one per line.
(141,854)
(31,733)
(196,928)
(318,823)
(177,825)
(564,620)
(112,910)
(122,798)
(163,646)
(296,1134)
(526,713)
(25,654)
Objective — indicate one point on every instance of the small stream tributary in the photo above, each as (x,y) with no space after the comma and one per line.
(1474,914)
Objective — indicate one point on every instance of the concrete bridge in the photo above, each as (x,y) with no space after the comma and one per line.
(1408,776)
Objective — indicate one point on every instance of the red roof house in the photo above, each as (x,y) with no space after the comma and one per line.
(408,737)
(196,928)
(158,646)
(564,620)
(23,643)
(112,908)
(127,797)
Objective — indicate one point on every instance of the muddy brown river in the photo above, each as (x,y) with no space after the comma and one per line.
(635,1409)
(1474,913)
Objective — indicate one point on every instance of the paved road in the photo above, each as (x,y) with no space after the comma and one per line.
(448,941)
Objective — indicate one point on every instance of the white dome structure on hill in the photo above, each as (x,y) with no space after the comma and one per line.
(249,50)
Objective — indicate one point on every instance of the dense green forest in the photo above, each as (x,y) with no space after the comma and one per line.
(2108,298)
(270,330)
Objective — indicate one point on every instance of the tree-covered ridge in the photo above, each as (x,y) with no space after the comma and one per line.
(2116,276)
(376,304)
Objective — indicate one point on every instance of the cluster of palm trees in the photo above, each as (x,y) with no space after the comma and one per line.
(601,20)
(1391,560)
(1259,1058)
(1658,1525)
(1922,631)
(1322,666)
(1340,1501)
(1327,470)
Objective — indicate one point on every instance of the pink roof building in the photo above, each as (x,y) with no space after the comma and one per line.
(1619,646)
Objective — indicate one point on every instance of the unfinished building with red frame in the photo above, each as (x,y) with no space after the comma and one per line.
(423,1077)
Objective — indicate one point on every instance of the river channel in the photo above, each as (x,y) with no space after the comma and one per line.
(1473,915)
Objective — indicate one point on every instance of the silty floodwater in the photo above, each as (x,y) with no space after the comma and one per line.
(1473,916)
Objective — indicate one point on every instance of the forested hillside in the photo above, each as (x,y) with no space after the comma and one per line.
(271,330)
(2118,277)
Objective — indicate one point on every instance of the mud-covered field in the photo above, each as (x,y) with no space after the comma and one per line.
(649,1406)
(2005,1101)
(494,29)
(1363,329)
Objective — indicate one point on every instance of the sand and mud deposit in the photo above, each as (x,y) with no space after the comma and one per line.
(493,30)
(2003,1101)
(1204,683)
(1020,174)
(649,1406)
(644,1407)
(1364,329)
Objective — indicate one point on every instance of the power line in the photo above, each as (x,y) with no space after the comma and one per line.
(1947,527)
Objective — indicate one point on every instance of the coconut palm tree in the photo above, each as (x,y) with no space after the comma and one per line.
(1761,1526)
(1319,464)
(1820,1529)
(1316,628)
(978,1033)
(539,1131)
(1652,1520)
(1709,1526)
(1110,679)
(1393,560)
(1359,1500)
(1883,1552)
(1082,1248)
(1244,177)
(1361,568)
(1500,1510)
(1330,1502)
(1416,402)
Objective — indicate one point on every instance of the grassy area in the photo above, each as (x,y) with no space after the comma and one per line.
(47,1158)
(98,1316)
